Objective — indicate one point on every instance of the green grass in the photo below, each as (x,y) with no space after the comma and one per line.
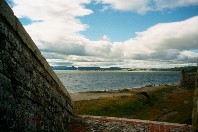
(140,107)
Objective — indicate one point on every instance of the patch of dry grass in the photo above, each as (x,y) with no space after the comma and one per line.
(170,103)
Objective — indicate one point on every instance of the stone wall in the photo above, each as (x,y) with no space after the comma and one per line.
(188,79)
(31,96)
(195,106)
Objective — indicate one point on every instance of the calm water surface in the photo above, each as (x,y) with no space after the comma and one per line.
(81,81)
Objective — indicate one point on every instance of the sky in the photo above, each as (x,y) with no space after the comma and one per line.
(112,33)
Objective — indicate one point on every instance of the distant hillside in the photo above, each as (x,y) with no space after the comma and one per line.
(186,68)
(63,68)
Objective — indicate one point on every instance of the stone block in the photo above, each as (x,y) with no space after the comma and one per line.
(18,46)
(5,56)
(8,47)
(7,70)
(1,65)
(5,83)
(2,42)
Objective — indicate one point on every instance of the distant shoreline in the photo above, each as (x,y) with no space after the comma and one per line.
(114,71)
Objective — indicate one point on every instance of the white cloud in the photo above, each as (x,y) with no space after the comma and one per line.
(57,36)
(176,35)
(168,4)
(166,41)
(140,6)
(104,38)
(50,9)
(143,6)
(56,21)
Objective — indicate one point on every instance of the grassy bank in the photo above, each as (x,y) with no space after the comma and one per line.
(169,103)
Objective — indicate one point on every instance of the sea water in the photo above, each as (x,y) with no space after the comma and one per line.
(82,81)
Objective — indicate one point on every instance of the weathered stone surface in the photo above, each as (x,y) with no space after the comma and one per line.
(195,119)
(112,124)
(195,107)
(188,79)
(32,98)
(1,66)
(7,13)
